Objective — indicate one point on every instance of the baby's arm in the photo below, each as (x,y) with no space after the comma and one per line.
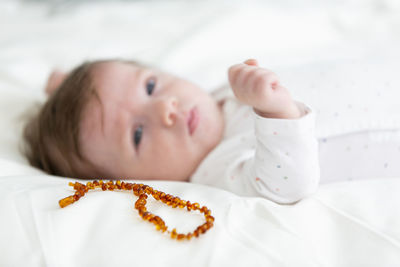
(285,167)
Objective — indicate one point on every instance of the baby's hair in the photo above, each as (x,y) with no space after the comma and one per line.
(52,134)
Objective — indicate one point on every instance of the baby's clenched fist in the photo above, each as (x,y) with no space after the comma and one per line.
(261,89)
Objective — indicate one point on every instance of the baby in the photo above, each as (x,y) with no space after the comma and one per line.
(118,119)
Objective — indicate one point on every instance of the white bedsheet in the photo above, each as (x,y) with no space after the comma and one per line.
(351,223)
(344,224)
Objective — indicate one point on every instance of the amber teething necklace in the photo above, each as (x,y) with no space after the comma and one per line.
(142,191)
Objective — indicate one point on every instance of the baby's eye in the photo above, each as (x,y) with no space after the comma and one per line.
(150,85)
(138,135)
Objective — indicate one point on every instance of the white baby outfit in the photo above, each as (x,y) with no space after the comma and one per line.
(357,127)
(272,158)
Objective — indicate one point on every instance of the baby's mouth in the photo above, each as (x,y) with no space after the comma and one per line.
(193,120)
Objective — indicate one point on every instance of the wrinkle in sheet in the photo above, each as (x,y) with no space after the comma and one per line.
(362,224)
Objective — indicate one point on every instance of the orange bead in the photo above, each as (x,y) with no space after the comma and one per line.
(174,234)
(156,195)
(210,219)
(182,203)
(128,186)
(141,210)
(147,215)
(66,201)
(148,190)
(196,233)
(203,228)
(136,187)
(78,186)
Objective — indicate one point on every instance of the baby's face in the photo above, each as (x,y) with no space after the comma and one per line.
(150,125)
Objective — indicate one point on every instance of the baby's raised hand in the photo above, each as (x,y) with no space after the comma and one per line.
(261,89)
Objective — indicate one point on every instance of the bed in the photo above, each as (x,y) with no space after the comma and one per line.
(342,58)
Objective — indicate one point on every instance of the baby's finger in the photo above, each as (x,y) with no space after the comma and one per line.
(269,78)
(244,76)
(232,73)
(236,72)
(251,62)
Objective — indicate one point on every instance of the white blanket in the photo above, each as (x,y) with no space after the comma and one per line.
(354,223)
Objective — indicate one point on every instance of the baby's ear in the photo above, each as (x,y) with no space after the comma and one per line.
(55,79)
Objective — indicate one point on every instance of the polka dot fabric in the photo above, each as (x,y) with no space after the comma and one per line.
(362,155)
(357,129)
(348,96)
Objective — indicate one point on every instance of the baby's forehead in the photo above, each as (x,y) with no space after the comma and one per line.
(106,70)
(109,80)
(91,116)
(119,73)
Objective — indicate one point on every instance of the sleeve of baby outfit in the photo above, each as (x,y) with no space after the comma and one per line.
(286,163)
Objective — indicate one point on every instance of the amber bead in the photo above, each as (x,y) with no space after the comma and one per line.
(148,190)
(136,187)
(141,210)
(147,216)
(160,227)
(78,185)
(156,195)
(174,233)
(182,204)
(196,233)
(203,228)
(66,201)
(128,187)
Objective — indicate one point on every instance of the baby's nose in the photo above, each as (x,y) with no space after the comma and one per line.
(168,110)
